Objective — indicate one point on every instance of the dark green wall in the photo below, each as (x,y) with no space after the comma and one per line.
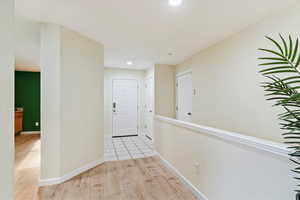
(27,96)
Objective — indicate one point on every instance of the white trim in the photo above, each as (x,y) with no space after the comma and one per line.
(30,132)
(149,76)
(28,69)
(184,72)
(70,175)
(184,180)
(261,144)
(176,88)
(146,130)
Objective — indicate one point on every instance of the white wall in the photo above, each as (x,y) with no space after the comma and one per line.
(149,72)
(227,170)
(50,101)
(227,83)
(115,73)
(164,82)
(27,49)
(72,101)
(82,66)
(7,99)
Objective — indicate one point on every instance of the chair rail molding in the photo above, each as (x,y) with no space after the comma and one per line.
(184,73)
(250,141)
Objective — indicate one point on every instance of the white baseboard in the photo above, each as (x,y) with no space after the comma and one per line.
(184,180)
(30,132)
(70,175)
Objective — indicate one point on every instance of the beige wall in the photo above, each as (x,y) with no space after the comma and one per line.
(7,99)
(229,96)
(227,83)
(114,73)
(226,170)
(164,81)
(72,101)
(82,65)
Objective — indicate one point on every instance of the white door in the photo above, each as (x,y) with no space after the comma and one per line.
(184,97)
(125,107)
(149,106)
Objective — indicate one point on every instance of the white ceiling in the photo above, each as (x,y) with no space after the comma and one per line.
(145,31)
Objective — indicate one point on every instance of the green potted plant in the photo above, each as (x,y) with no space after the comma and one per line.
(281,69)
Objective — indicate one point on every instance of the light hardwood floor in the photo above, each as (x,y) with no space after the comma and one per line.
(27,162)
(139,179)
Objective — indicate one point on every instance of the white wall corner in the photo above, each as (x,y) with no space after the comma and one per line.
(70,175)
(199,195)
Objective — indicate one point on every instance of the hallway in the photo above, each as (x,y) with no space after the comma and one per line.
(139,179)
(150,100)
(134,179)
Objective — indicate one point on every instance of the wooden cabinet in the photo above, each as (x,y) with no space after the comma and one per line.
(18,121)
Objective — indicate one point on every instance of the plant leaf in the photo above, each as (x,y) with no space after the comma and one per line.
(273,52)
(280,71)
(295,51)
(298,61)
(285,45)
(276,43)
(291,47)
(272,58)
(274,63)
(276,68)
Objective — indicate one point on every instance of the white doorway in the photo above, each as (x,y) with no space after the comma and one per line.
(125,107)
(149,107)
(184,97)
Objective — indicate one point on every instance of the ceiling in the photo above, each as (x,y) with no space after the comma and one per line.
(146,31)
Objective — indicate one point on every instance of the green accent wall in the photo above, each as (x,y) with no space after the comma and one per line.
(27,96)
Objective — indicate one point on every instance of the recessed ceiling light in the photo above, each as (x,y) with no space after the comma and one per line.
(175,2)
(129,63)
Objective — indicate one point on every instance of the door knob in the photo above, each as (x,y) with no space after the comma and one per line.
(189,113)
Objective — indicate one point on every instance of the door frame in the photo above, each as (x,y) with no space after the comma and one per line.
(153,107)
(189,71)
(138,106)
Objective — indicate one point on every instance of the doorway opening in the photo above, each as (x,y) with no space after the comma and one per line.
(125,107)
(27,134)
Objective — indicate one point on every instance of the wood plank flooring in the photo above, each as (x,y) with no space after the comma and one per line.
(139,179)
(27,163)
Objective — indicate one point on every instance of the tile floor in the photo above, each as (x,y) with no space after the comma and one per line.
(126,148)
